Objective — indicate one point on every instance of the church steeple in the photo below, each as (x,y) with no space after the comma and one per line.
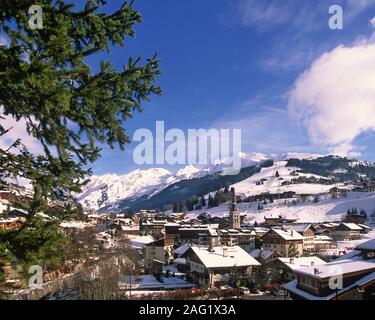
(234,216)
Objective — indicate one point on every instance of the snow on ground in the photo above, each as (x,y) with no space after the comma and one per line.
(325,210)
(249,187)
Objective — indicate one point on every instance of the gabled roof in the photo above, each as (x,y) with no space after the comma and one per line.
(366,280)
(263,253)
(343,267)
(363,226)
(288,234)
(352,226)
(181,250)
(368,245)
(297,263)
(236,257)
(298,227)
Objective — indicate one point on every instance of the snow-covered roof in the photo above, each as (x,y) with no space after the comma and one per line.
(368,245)
(74,224)
(338,267)
(181,250)
(264,253)
(140,242)
(363,226)
(179,261)
(298,227)
(352,226)
(288,234)
(215,258)
(144,282)
(130,228)
(297,263)
(322,238)
(9,220)
(292,287)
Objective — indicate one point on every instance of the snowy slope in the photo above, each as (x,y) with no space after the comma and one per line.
(273,184)
(325,210)
(107,189)
(134,184)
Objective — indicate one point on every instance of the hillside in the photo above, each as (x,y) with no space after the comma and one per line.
(261,174)
(325,210)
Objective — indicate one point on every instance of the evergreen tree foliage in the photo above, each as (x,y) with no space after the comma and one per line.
(46,83)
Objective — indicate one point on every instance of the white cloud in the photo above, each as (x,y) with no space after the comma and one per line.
(17,131)
(356,7)
(335,97)
(263,13)
(372,22)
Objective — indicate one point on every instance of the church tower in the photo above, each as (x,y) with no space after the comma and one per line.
(234,216)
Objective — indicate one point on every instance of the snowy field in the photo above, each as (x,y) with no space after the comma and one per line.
(326,210)
(273,184)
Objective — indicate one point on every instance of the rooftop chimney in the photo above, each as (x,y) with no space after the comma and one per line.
(225,252)
(291,261)
(312,263)
(316,271)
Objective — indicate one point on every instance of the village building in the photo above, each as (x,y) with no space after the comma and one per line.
(323,242)
(354,272)
(306,231)
(265,256)
(146,214)
(11,223)
(271,221)
(290,265)
(160,251)
(241,237)
(198,234)
(155,228)
(217,266)
(288,243)
(347,231)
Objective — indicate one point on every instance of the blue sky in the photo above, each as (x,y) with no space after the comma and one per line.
(234,64)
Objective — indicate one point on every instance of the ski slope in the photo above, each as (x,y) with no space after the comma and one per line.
(326,210)
(273,185)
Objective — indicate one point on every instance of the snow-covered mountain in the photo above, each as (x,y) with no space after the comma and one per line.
(108,189)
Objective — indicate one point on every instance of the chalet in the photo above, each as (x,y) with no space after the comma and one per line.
(11,223)
(367,249)
(306,231)
(365,229)
(323,242)
(353,275)
(265,255)
(176,216)
(274,221)
(146,214)
(160,251)
(17,213)
(129,231)
(171,231)
(347,231)
(204,216)
(178,252)
(139,242)
(222,222)
(201,234)
(242,237)
(216,266)
(290,265)
(314,283)
(155,228)
(288,243)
